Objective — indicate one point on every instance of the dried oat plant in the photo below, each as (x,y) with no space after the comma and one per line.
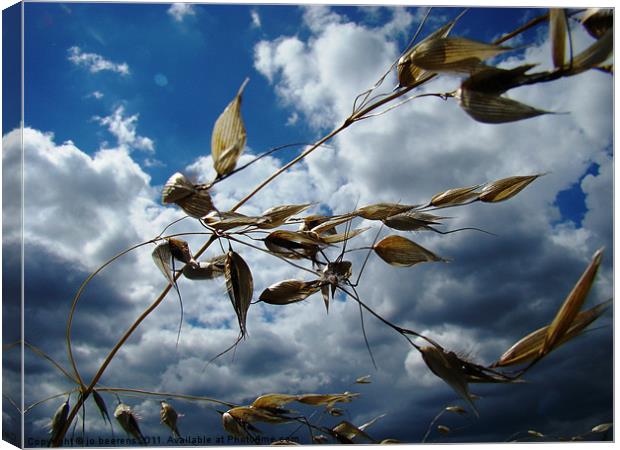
(480,93)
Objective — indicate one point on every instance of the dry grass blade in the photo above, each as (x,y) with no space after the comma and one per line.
(595,54)
(505,188)
(229,220)
(341,237)
(128,421)
(328,400)
(289,291)
(571,306)
(448,369)
(496,81)
(229,136)
(206,270)
(380,211)
(412,221)
(597,21)
(59,420)
(409,74)
(529,347)
(168,416)
(557,35)
(602,427)
(456,196)
(402,252)
(240,287)
(454,54)
(271,401)
(487,108)
(162,256)
(276,216)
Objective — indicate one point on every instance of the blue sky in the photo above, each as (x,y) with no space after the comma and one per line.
(121,96)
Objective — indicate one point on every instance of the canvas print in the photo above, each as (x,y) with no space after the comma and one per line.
(252,224)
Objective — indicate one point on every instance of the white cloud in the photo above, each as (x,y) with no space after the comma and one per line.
(124,129)
(94,62)
(179,11)
(98,95)
(256,22)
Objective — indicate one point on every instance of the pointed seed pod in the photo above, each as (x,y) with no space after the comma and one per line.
(595,54)
(505,188)
(168,417)
(162,256)
(496,81)
(443,429)
(456,409)
(456,196)
(602,427)
(128,421)
(557,35)
(205,270)
(363,380)
(571,306)
(402,252)
(233,426)
(59,420)
(229,136)
(487,108)
(240,287)
(180,250)
(597,21)
(276,216)
(535,433)
(289,291)
(273,401)
(380,211)
(103,409)
(192,198)
(412,221)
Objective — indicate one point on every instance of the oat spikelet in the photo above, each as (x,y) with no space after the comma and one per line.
(402,252)
(128,421)
(240,287)
(168,417)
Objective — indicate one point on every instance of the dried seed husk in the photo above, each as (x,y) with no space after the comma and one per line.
(325,295)
(176,188)
(602,427)
(496,81)
(447,367)
(487,108)
(198,204)
(340,237)
(180,251)
(328,400)
(595,54)
(240,287)
(571,306)
(162,256)
(233,426)
(101,406)
(128,421)
(535,433)
(402,252)
(454,54)
(557,35)
(408,73)
(289,291)
(168,416)
(443,429)
(456,196)
(229,136)
(293,244)
(363,380)
(314,220)
(276,216)
(206,270)
(229,220)
(505,188)
(380,211)
(319,439)
(412,221)
(273,401)
(284,442)
(59,420)
(347,433)
(329,226)
(597,21)
(530,346)
(389,441)
(456,409)
(250,414)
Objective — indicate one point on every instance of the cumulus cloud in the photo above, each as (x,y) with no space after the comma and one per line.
(95,63)
(124,129)
(179,11)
